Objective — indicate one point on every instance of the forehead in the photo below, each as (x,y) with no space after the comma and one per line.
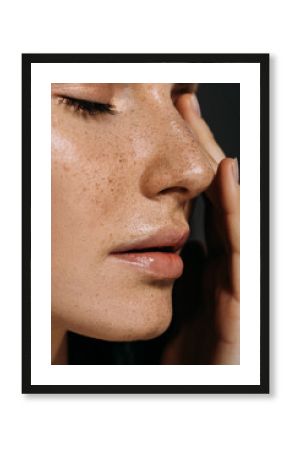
(132,86)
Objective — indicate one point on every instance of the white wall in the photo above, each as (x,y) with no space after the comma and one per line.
(143,422)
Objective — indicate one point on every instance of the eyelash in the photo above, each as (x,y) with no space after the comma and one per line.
(87,107)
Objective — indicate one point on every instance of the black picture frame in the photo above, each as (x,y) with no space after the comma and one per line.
(263,61)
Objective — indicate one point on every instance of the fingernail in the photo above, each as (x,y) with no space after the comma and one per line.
(235,167)
(195,104)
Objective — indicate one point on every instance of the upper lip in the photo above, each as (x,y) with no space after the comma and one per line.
(172,238)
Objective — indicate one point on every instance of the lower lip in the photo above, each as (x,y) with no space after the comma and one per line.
(160,265)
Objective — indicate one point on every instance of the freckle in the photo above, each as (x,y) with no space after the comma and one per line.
(85,189)
(66,168)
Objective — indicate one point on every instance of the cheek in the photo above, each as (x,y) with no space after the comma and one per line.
(90,190)
(81,176)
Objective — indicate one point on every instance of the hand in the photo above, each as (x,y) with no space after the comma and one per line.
(208,293)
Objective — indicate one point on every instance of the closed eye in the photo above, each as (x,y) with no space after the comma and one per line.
(87,107)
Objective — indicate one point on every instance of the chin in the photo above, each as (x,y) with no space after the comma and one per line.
(147,330)
(139,329)
(129,320)
(143,320)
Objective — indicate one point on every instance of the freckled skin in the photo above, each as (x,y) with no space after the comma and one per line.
(116,178)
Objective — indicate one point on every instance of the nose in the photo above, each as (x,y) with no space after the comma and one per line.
(177,165)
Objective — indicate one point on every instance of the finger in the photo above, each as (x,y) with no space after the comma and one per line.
(227,192)
(224,193)
(189,109)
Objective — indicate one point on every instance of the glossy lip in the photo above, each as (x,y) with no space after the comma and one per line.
(162,238)
(157,264)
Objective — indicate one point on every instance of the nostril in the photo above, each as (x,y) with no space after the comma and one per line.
(179,190)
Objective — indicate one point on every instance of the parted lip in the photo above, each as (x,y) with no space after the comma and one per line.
(174,239)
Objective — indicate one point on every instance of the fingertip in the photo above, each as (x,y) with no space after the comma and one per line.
(227,168)
(195,104)
(227,177)
(235,169)
(224,182)
(188,107)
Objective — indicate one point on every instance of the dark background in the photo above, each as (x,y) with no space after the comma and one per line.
(220,107)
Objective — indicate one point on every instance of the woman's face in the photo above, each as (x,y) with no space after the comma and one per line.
(120,182)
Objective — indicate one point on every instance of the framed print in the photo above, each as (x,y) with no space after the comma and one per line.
(145,223)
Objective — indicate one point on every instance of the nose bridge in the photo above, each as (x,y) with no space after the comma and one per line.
(176,161)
